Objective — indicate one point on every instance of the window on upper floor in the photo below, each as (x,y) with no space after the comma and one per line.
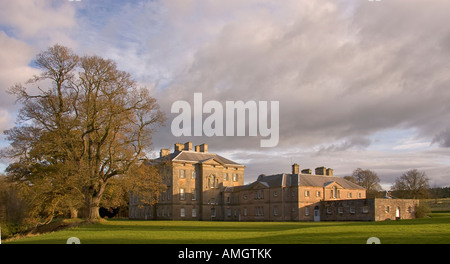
(259,194)
(212,181)
(335,192)
(235,177)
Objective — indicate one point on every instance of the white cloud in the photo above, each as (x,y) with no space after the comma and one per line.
(15,57)
(38,19)
(412,145)
(26,28)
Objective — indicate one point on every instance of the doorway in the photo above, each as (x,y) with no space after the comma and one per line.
(397,213)
(316,214)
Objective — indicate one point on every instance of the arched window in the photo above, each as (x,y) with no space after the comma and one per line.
(212,181)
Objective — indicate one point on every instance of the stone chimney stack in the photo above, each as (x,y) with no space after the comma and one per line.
(295,168)
(306,171)
(178,147)
(164,152)
(197,148)
(188,146)
(204,147)
(320,171)
(329,172)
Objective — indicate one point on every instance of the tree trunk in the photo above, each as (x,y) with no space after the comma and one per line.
(92,208)
(93,203)
(94,213)
(73,213)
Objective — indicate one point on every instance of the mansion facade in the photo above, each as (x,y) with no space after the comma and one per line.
(206,186)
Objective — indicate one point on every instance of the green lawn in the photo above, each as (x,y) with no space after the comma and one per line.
(435,230)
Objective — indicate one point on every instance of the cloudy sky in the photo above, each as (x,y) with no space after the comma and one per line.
(359,83)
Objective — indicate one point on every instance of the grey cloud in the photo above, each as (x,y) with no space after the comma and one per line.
(354,142)
(443,138)
(340,73)
(336,77)
(341,70)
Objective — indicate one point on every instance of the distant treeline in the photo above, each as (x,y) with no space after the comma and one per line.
(430,193)
(443,192)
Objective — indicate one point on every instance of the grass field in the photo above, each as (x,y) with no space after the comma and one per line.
(434,230)
(437,205)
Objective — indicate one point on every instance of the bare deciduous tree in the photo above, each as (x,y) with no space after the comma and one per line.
(367,179)
(412,184)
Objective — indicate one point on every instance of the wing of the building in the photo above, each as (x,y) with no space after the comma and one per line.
(206,186)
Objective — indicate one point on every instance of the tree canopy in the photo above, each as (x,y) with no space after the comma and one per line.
(82,122)
(367,179)
(412,184)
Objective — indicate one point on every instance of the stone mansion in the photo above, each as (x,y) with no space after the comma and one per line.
(206,186)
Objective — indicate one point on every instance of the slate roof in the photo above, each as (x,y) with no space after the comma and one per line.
(198,157)
(321,180)
(300,180)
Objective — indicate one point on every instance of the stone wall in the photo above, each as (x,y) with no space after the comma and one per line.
(372,209)
(347,210)
(391,209)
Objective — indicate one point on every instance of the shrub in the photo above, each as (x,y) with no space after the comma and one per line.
(8,230)
(422,210)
